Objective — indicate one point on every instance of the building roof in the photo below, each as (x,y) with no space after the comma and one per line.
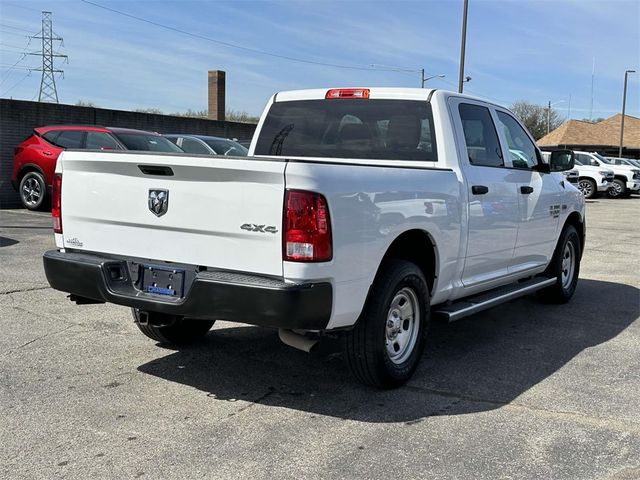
(604,133)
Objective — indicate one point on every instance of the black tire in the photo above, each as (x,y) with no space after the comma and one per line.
(565,287)
(618,189)
(33,191)
(170,329)
(588,187)
(366,346)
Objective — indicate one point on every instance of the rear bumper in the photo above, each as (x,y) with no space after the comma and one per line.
(219,295)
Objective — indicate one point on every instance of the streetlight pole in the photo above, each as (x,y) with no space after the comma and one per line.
(624,105)
(426,79)
(463,44)
(549,114)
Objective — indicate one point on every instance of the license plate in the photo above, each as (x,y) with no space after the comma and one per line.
(168,282)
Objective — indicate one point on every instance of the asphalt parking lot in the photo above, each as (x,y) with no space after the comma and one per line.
(523,391)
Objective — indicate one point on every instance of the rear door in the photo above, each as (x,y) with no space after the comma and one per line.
(538,196)
(223,212)
(493,203)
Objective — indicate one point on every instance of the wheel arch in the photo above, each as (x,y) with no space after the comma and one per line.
(27,168)
(576,221)
(416,246)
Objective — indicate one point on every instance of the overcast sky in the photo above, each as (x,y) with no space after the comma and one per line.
(536,50)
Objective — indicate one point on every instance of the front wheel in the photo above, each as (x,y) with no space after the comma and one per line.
(565,267)
(588,187)
(170,329)
(617,189)
(385,346)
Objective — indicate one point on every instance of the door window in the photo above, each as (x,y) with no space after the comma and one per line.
(51,137)
(70,139)
(190,145)
(101,141)
(480,136)
(522,150)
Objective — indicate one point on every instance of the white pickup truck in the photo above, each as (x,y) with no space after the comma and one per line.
(360,213)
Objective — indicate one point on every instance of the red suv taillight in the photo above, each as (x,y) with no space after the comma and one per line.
(56,203)
(307,228)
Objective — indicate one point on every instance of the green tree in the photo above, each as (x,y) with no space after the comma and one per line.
(534,117)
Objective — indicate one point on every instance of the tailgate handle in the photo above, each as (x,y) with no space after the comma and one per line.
(159,170)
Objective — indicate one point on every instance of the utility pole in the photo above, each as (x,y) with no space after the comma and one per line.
(48,92)
(624,106)
(463,44)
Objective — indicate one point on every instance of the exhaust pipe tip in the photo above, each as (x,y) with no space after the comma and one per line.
(296,340)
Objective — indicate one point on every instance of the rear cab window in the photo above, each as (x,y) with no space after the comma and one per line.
(349,128)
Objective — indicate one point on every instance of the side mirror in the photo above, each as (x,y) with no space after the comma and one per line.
(561,160)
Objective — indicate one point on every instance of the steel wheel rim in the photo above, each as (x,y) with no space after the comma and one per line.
(402,325)
(586,188)
(568,265)
(31,191)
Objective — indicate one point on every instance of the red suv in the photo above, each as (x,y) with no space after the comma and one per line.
(34,160)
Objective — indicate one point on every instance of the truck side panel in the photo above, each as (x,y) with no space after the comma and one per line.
(371,206)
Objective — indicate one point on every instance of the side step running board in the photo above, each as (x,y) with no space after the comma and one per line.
(469,306)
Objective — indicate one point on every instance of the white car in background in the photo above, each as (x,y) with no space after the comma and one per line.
(589,180)
(626,178)
(625,161)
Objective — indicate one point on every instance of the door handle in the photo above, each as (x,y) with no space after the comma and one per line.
(526,190)
(47,152)
(479,189)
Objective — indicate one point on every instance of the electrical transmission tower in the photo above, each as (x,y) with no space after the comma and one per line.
(48,92)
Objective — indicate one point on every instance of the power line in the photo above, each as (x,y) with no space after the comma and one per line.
(17,83)
(20,6)
(238,47)
(15,28)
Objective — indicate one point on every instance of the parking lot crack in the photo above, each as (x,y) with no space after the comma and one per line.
(11,350)
(20,290)
(557,414)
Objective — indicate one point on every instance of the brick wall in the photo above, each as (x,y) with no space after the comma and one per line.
(18,118)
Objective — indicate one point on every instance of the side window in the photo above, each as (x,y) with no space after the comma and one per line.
(585,159)
(480,135)
(101,141)
(190,145)
(51,137)
(522,150)
(70,139)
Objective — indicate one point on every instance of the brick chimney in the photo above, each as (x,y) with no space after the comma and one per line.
(216,94)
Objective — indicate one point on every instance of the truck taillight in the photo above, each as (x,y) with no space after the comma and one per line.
(307,228)
(56,203)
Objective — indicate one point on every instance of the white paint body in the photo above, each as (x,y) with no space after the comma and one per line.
(481,242)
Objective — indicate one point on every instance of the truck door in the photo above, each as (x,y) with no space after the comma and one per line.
(492,199)
(538,196)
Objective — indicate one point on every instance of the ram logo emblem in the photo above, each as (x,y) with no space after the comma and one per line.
(158,201)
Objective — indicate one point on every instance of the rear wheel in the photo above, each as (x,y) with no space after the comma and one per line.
(33,190)
(170,329)
(385,346)
(617,189)
(565,267)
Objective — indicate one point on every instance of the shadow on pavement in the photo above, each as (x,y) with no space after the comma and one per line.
(473,365)
(7,242)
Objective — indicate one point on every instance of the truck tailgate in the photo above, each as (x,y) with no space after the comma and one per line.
(223,212)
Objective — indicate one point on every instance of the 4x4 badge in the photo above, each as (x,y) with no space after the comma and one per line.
(252,227)
(158,201)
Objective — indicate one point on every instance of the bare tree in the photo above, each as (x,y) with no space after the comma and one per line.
(85,103)
(534,117)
